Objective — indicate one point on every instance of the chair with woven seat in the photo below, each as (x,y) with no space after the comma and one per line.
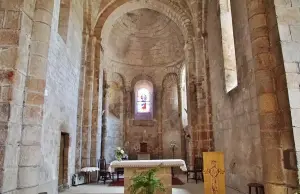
(197,170)
(104,175)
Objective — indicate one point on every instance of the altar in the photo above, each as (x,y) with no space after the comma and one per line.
(132,167)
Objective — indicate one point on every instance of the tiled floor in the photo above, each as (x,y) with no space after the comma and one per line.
(187,188)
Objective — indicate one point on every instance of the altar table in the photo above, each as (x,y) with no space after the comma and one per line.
(132,167)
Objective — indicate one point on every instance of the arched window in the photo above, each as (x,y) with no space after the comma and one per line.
(184,98)
(228,45)
(143,90)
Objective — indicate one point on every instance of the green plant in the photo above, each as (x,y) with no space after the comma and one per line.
(146,183)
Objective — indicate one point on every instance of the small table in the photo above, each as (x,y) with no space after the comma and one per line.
(88,171)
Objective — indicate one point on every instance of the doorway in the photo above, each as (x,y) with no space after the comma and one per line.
(63,161)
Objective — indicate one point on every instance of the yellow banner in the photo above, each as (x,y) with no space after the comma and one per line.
(214,173)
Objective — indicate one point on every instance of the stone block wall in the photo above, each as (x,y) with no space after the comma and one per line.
(13,74)
(61,96)
(16,33)
(288,41)
(234,113)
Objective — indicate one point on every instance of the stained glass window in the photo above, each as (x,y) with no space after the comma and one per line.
(143,101)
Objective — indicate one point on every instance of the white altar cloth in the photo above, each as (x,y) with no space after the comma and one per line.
(147,164)
(90,169)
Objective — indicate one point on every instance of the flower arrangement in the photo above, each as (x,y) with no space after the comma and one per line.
(119,154)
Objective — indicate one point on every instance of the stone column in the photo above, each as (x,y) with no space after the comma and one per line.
(204,96)
(183,146)
(105,114)
(95,105)
(88,103)
(30,146)
(158,117)
(191,101)
(100,114)
(127,111)
(274,124)
(80,105)
(12,80)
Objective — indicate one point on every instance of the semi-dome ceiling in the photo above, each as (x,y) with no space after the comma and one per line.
(146,38)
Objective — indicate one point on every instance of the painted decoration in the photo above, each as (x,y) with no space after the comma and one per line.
(214,173)
(143,101)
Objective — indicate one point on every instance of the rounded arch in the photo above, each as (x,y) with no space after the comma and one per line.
(117,8)
(142,77)
(170,77)
(116,78)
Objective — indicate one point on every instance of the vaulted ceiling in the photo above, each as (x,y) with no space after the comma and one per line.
(145,37)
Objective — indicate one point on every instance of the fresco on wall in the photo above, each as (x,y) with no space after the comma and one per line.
(114,117)
(171,126)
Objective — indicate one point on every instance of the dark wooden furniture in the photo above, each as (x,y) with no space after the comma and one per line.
(259,188)
(103,175)
(119,171)
(197,170)
(143,147)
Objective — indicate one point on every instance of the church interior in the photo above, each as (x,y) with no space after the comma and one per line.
(92,83)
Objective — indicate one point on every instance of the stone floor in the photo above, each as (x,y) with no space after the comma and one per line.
(187,188)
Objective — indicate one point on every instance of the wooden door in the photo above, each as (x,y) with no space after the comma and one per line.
(63,160)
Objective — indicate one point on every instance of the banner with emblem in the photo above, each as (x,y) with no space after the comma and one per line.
(214,173)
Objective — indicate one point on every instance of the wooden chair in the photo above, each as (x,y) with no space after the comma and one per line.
(104,175)
(259,188)
(197,170)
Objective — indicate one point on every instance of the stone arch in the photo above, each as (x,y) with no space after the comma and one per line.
(111,12)
(142,77)
(119,7)
(169,77)
(182,21)
(116,77)
(87,16)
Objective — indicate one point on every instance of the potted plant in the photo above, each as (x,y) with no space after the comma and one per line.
(146,183)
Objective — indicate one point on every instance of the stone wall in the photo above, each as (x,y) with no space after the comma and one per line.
(288,19)
(234,114)
(61,96)
(114,132)
(135,131)
(15,32)
(171,122)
